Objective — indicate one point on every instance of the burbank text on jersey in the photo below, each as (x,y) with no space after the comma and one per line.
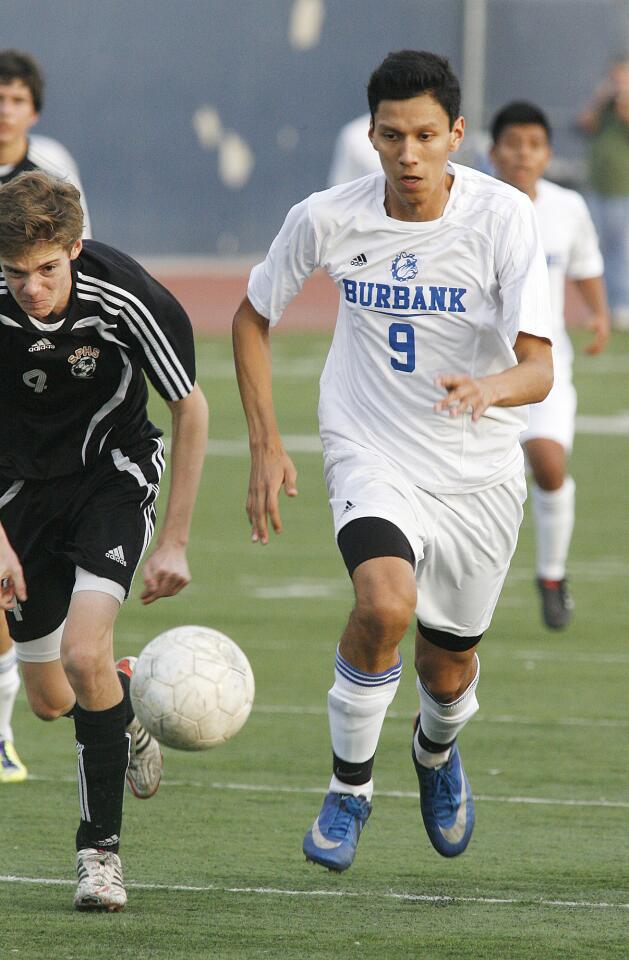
(386,296)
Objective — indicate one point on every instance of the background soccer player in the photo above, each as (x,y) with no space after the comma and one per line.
(80,466)
(442,334)
(521,152)
(21,103)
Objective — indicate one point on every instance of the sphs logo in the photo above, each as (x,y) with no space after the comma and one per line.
(404,267)
(83,362)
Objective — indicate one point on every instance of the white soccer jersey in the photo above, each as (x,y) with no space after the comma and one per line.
(571,247)
(44,153)
(353,155)
(417,300)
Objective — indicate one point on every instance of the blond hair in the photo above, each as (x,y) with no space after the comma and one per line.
(35,208)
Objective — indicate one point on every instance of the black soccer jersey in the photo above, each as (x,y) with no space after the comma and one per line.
(74,390)
(23,166)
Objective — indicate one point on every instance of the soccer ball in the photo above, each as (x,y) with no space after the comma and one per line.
(192,688)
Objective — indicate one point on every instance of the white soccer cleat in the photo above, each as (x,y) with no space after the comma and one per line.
(145,757)
(101,886)
(145,761)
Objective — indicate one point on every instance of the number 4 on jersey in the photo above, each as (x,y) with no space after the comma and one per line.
(35,379)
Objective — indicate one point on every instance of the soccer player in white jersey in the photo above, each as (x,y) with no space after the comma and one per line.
(354,155)
(442,339)
(21,102)
(521,152)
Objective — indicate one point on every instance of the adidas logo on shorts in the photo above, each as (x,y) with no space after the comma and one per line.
(117,554)
(43,344)
(359,261)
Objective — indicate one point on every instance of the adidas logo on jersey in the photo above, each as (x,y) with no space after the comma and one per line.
(348,506)
(43,344)
(117,554)
(359,261)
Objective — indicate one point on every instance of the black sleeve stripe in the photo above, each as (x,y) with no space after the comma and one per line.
(152,332)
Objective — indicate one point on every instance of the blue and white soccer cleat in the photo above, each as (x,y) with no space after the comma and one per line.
(333,837)
(446,803)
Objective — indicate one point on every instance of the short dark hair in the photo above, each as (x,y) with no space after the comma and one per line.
(15,65)
(409,73)
(36,207)
(519,111)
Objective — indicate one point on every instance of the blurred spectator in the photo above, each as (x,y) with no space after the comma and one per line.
(21,101)
(606,120)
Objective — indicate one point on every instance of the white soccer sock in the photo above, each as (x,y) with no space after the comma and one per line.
(9,686)
(442,722)
(553,511)
(357,704)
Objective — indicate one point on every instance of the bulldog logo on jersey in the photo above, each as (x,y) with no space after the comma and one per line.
(404,267)
(83,362)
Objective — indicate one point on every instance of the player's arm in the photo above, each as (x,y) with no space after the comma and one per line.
(592,289)
(271,467)
(11,576)
(528,382)
(166,571)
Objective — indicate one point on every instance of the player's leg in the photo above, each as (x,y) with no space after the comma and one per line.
(12,770)
(459,583)
(100,720)
(365,499)
(553,497)
(366,677)
(447,681)
(547,443)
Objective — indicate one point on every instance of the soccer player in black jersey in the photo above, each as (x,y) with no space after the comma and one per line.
(81,325)
(21,102)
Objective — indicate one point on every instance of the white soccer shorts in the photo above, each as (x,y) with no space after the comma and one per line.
(554,417)
(463,543)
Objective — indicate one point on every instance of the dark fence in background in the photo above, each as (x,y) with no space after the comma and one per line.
(197,124)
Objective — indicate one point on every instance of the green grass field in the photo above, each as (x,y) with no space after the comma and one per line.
(213,863)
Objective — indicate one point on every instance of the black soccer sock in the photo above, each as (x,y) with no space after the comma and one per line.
(103,748)
(125,683)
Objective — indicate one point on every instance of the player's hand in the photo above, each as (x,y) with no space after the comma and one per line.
(12,582)
(270,471)
(166,572)
(462,394)
(599,325)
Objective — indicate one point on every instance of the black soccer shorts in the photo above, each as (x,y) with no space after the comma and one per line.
(101,520)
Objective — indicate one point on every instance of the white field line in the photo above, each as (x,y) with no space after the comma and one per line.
(310,367)
(389,794)
(345,894)
(615,425)
(592,571)
(299,368)
(291,710)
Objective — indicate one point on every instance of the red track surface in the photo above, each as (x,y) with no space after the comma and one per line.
(211,300)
